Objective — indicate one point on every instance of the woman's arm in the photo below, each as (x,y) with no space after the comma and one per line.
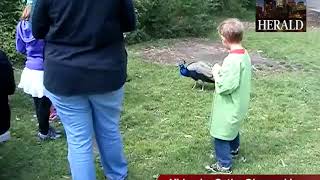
(128,16)
(40,19)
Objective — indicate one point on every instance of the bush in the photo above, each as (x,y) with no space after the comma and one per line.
(182,18)
(156,19)
(9,14)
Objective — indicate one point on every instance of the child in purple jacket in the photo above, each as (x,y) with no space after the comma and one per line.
(32,76)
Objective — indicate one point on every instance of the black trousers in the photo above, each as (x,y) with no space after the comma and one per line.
(5,114)
(42,106)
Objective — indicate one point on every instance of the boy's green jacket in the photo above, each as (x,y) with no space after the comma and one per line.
(232,95)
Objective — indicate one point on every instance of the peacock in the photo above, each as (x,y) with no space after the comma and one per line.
(198,71)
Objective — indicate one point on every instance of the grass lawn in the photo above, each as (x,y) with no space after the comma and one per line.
(164,122)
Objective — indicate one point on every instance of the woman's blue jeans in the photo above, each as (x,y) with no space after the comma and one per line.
(84,117)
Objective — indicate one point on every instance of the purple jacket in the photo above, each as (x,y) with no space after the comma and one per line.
(29,46)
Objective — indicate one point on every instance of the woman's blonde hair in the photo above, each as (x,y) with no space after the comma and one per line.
(26,13)
(232,30)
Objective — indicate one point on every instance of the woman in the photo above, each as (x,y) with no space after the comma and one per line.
(85,71)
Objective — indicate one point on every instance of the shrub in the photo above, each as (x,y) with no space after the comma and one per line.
(156,19)
(9,14)
(182,18)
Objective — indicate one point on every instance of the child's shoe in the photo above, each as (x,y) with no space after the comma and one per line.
(218,169)
(52,135)
(5,137)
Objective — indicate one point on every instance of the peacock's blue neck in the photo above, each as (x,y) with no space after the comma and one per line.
(184,71)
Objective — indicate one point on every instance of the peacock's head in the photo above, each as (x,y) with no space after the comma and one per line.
(183,68)
(181,64)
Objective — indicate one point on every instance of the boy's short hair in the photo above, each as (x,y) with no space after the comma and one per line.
(232,29)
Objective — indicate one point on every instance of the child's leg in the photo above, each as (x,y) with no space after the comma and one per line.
(5,120)
(223,154)
(43,112)
(235,145)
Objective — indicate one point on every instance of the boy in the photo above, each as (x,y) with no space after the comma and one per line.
(232,95)
(7,88)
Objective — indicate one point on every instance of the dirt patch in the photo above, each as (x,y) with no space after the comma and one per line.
(211,52)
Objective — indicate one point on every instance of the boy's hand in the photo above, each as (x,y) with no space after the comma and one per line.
(216,66)
(215,69)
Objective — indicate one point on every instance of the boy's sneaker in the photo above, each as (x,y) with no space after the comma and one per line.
(52,135)
(235,153)
(5,137)
(218,169)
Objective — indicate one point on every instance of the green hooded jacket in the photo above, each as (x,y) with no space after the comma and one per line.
(232,95)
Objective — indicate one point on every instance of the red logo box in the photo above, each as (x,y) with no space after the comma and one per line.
(239,177)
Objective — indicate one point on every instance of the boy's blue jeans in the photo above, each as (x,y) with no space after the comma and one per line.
(223,150)
(88,115)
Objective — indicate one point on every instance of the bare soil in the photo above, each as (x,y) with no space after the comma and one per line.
(194,49)
(313,19)
(203,50)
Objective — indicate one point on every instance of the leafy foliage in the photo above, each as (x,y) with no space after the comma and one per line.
(181,18)
(156,19)
(9,14)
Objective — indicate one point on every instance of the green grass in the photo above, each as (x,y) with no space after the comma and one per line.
(164,122)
